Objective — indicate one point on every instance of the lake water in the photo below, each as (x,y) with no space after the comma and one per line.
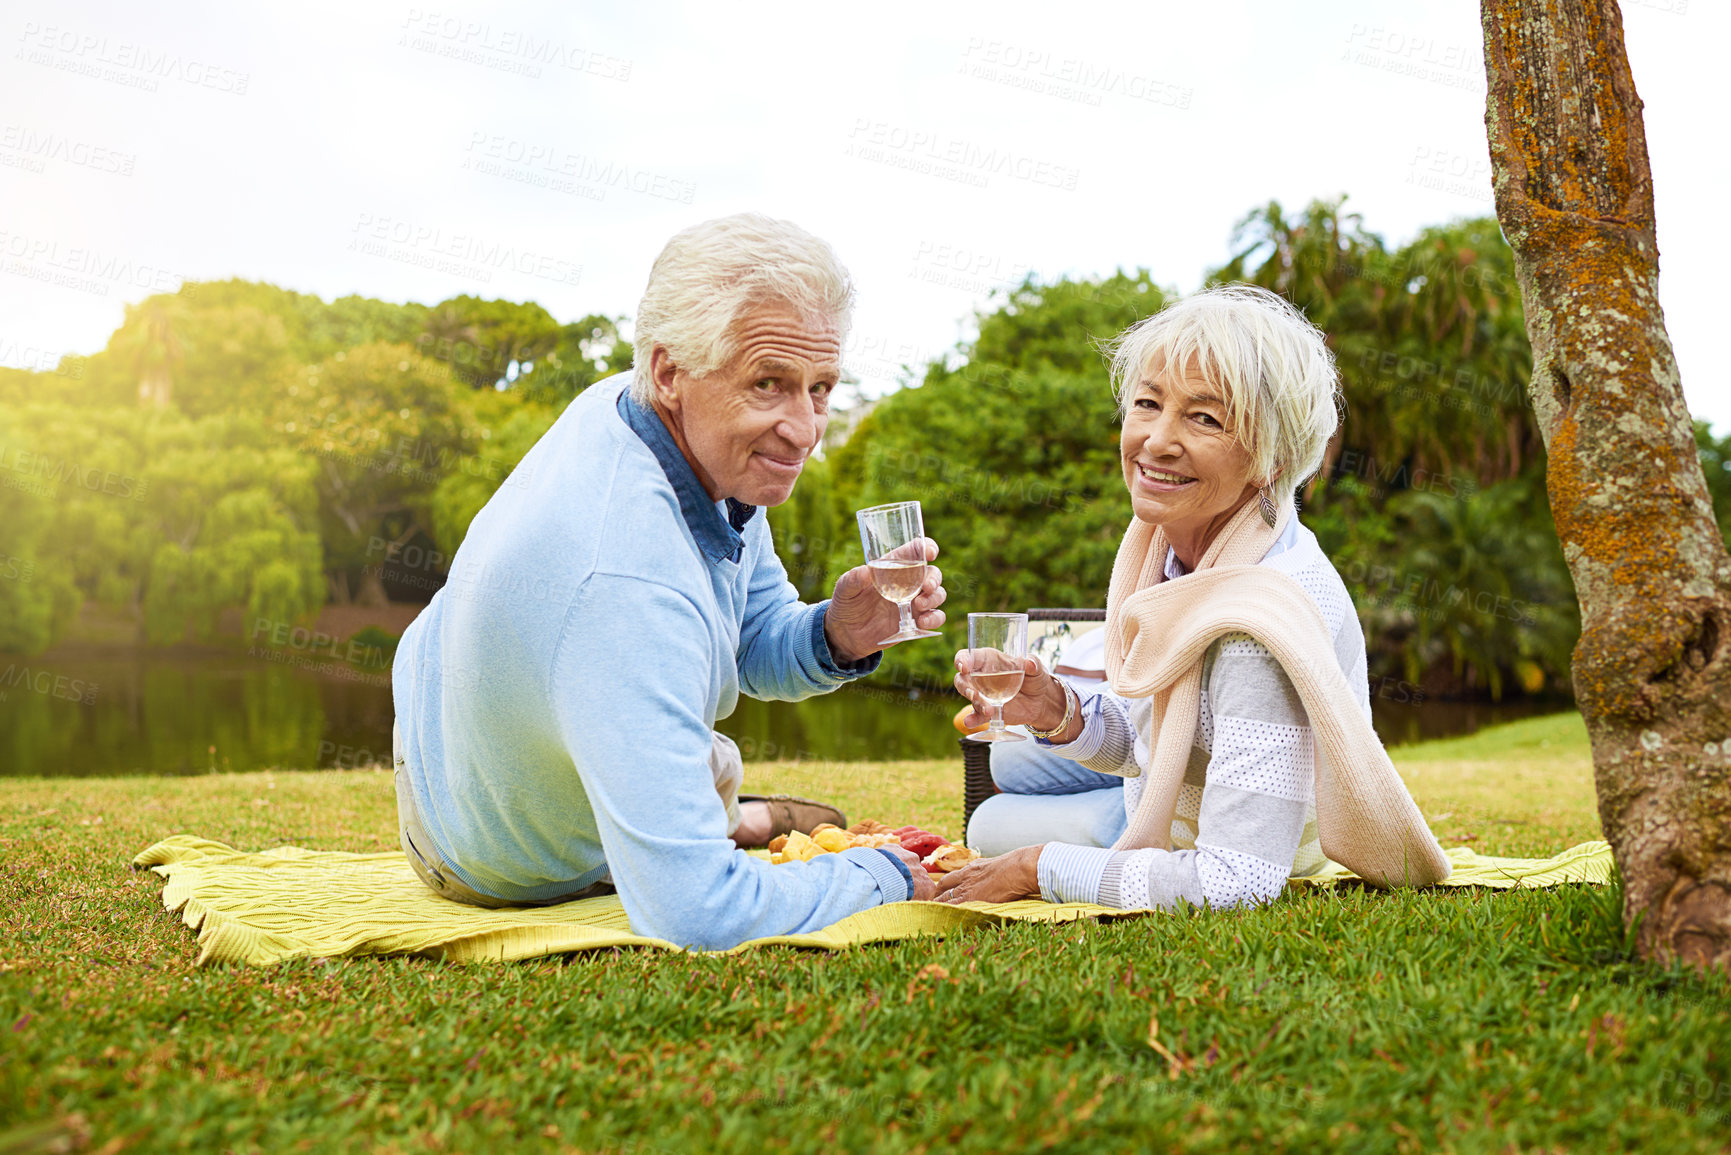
(103,711)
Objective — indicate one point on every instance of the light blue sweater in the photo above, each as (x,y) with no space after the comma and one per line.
(557,698)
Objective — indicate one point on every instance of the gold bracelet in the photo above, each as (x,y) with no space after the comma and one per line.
(1071,701)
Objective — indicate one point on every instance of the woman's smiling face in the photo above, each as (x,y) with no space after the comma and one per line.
(1185,470)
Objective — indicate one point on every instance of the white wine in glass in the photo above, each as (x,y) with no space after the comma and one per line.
(997,661)
(895,552)
(997,686)
(898,580)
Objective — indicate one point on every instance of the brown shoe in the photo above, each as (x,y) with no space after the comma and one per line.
(787,814)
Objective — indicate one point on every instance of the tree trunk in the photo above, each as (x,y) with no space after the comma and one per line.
(372,592)
(1652,671)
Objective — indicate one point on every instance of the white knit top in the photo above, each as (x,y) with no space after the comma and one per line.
(1246,814)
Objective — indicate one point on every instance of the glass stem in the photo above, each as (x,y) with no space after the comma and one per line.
(998,718)
(907,609)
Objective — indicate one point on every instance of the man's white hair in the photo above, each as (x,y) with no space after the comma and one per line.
(711,274)
(1270,365)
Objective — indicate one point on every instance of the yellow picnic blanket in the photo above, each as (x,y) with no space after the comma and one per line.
(290,902)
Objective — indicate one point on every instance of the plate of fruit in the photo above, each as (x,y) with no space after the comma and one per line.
(936,853)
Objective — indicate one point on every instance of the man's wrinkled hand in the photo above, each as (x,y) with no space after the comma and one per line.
(859,618)
(925,887)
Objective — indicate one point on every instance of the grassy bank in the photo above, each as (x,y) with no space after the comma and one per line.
(1350,1021)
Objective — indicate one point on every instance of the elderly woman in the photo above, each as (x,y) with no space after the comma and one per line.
(1233,747)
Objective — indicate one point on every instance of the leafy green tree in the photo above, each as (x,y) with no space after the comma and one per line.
(1481,592)
(235,525)
(64,382)
(1453,341)
(1429,338)
(1716,464)
(488,343)
(150,342)
(1058,326)
(18,385)
(384,426)
(145,509)
(586,351)
(1013,456)
(809,528)
(218,346)
(355,320)
(1323,261)
(37,598)
(508,430)
(212,348)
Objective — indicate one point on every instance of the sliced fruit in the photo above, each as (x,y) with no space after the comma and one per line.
(922,843)
(833,839)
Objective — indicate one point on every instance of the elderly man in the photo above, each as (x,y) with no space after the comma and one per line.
(556,702)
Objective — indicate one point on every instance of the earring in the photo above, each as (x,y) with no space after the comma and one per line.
(1266,503)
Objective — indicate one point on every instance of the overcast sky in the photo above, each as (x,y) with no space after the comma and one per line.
(547,151)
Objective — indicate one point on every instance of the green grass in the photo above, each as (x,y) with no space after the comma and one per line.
(1341,1021)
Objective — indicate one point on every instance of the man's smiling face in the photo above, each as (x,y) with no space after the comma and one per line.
(748,427)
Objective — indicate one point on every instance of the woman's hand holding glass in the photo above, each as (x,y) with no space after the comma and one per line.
(997,667)
(1040,703)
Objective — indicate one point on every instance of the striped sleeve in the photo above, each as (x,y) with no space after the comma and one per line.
(1260,780)
(1107,744)
(1072,873)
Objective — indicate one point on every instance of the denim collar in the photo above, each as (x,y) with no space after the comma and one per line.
(717,537)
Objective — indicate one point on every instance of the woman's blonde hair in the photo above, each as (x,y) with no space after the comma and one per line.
(1272,368)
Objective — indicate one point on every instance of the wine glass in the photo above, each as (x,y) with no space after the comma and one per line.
(896,556)
(997,656)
